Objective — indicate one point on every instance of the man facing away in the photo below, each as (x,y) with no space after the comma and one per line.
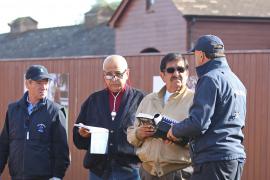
(33,139)
(217,116)
(161,160)
(112,108)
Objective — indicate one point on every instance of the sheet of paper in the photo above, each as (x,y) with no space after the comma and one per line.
(99,138)
(91,129)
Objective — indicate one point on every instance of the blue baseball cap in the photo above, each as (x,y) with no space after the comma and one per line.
(37,72)
(209,44)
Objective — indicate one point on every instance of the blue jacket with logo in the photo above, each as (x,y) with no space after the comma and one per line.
(217,116)
(35,145)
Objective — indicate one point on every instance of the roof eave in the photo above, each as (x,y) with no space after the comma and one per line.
(118,13)
(246,18)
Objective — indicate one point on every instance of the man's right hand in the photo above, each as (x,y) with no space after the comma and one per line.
(144,131)
(83,132)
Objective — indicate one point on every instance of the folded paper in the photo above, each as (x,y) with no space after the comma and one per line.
(99,138)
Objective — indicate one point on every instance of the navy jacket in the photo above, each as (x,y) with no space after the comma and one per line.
(95,111)
(44,153)
(217,115)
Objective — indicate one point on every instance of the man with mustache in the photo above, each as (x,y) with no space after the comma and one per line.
(160,159)
(34,140)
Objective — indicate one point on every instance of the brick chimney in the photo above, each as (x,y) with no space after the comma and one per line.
(22,24)
(97,15)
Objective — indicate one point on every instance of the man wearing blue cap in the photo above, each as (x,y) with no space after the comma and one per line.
(217,116)
(33,139)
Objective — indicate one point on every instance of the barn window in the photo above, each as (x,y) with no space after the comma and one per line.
(150,50)
(149,4)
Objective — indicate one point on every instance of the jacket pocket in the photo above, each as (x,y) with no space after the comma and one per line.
(148,150)
(174,152)
(95,162)
(37,159)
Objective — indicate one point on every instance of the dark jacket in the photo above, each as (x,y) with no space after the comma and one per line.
(217,115)
(95,111)
(42,153)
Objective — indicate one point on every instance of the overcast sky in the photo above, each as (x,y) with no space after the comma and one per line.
(48,13)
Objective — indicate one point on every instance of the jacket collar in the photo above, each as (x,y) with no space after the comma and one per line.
(175,95)
(23,101)
(212,64)
(105,99)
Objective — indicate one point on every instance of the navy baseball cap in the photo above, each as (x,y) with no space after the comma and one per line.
(37,72)
(209,44)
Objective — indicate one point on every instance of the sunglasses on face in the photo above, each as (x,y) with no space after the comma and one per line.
(173,69)
(114,75)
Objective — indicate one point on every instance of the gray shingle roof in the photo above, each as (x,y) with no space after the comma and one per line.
(234,8)
(58,42)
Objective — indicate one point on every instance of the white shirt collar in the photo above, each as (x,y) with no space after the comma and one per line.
(167,96)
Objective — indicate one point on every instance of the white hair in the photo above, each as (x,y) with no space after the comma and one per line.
(119,61)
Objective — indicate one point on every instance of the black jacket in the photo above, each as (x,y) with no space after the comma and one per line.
(95,111)
(42,153)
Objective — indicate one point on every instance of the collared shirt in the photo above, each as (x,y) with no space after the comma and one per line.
(117,99)
(30,106)
(167,96)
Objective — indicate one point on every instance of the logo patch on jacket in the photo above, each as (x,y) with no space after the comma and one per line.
(41,128)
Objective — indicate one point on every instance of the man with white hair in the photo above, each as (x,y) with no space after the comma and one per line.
(112,108)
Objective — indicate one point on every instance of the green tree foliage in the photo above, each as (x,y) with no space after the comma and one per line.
(103,3)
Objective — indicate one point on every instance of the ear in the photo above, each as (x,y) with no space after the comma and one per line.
(162,75)
(127,72)
(103,76)
(26,83)
(187,72)
(204,59)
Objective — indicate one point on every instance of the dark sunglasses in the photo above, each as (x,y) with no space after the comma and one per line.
(173,69)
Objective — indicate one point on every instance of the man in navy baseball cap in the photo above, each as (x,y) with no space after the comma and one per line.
(38,132)
(211,45)
(37,72)
(217,117)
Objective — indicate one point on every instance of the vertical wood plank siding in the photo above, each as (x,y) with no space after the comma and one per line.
(163,28)
(85,77)
(236,34)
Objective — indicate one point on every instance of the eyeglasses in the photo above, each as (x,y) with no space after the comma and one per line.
(173,69)
(114,75)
